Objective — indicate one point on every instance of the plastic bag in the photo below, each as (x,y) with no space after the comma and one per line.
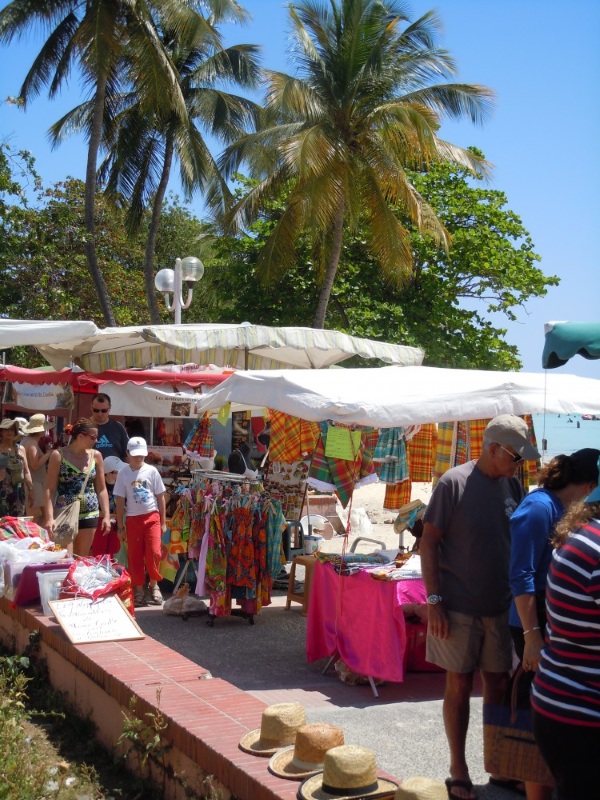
(184,604)
(97,578)
(30,550)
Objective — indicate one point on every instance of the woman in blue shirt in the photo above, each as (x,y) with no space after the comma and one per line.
(563,481)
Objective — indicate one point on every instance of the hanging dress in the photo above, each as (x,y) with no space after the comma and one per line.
(12,486)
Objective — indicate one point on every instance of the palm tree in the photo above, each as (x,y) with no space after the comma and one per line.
(142,148)
(361,110)
(114,43)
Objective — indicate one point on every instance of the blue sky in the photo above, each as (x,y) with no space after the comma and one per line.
(542,59)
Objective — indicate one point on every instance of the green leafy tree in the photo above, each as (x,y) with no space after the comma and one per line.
(113,43)
(446,306)
(17,177)
(49,273)
(342,133)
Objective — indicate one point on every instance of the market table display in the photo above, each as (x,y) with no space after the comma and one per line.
(360,619)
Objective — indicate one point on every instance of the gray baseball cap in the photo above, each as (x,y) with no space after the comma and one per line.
(511,431)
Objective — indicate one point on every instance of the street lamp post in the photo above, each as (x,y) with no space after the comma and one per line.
(188,271)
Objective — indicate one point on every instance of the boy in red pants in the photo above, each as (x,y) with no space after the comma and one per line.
(140,486)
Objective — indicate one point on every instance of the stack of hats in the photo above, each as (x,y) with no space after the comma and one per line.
(315,754)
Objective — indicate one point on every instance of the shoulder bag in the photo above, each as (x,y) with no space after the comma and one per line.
(509,748)
(66,522)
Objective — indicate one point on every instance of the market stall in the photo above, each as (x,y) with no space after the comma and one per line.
(243,346)
(386,397)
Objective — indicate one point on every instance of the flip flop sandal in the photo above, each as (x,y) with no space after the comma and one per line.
(451,785)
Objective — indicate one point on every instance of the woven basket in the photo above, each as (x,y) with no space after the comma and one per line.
(509,748)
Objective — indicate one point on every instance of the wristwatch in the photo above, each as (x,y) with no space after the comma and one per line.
(434,599)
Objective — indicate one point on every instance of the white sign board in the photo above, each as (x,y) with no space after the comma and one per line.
(105,620)
(39,397)
(150,401)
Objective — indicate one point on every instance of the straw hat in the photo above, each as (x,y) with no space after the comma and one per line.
(278,728)
(7,423)
(306,756)
(421,789)
(408,515)
(37,424)
(348,772)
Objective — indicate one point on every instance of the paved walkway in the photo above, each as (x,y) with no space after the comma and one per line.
(403,725)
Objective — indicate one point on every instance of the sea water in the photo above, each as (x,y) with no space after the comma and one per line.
(565,433)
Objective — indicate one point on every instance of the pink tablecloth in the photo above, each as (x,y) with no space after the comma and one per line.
(361,619)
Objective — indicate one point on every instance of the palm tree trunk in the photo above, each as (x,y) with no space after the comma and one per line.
(89,206)
(157,206)
(332,267)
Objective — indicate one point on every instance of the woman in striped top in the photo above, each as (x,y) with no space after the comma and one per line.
(566,689)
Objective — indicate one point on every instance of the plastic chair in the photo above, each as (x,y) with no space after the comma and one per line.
(365,539)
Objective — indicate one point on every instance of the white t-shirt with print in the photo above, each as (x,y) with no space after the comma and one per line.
(139,487)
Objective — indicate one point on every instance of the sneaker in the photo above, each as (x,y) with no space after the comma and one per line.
(139,597)
(156,598)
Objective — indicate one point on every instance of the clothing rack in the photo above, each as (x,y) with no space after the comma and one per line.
(242,566)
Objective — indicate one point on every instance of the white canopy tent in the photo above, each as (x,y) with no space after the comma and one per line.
(387,397)
(243,346)
(20,332)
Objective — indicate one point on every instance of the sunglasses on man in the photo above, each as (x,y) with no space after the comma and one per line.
(515,456)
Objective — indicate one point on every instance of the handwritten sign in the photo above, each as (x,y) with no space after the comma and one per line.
(342,443)
(106,620)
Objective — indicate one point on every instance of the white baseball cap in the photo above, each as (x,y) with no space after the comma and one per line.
(113,464)
(137,446)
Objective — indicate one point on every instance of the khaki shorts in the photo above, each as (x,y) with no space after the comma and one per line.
(473,643)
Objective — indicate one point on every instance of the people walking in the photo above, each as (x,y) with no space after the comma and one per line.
(70,469)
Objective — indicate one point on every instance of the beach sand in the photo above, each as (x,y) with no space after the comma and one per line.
(368,518)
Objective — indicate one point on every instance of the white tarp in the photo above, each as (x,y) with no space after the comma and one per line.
(21,332)
(236,346)
(386,397)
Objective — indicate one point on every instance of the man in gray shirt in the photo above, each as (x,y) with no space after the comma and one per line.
(465,551)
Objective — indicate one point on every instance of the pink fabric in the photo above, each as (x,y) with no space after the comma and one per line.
(361,619)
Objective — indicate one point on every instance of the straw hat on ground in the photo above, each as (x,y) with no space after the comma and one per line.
(348,772)
(37,424)
(306,756)
(278,728)
(421,789)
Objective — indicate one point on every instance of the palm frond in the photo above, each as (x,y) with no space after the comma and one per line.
(456,100)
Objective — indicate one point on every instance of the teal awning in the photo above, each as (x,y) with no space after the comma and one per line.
(567,339)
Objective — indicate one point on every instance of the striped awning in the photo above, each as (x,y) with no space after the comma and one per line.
(236,346)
